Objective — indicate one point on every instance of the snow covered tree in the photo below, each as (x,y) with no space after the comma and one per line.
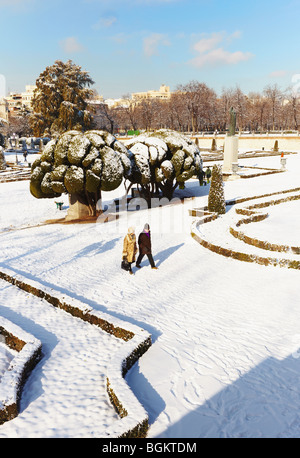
(60,99)
(162,161)
(216,197)
(80,164)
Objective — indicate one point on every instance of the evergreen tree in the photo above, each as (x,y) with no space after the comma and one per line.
(60,99)
(216,197)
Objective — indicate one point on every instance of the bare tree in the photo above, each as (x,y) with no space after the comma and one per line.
(225,102)
(240,102)
(178,112)
(258,111)
(129,112)
(293,107)
(19,125)
(147,110)
(274,95)
(200,101)
(105,118)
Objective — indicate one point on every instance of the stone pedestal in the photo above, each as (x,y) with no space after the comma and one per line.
(77,208)
(283,163)
(230,153)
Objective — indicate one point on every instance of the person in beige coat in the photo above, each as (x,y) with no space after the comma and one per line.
(129,249)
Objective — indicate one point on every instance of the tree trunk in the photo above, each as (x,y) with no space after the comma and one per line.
(83,205)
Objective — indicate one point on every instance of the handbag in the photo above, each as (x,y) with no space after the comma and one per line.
(125,265)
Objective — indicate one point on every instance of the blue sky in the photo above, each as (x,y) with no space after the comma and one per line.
(137,45)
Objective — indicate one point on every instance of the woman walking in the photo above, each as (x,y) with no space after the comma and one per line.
(129,250)
(145,247)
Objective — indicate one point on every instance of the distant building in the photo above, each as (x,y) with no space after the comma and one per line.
(14,103)
(163,94)
(3,110)
(27,96)
(113,103)
(96,100)
(17,102)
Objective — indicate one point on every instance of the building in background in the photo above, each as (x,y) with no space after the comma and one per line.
(20,102)
(163,94)
(114,103)
(27,96)
(3,110)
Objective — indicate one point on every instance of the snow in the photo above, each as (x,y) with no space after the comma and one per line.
(155,142)
(281,227)
(224,359)
(12,375)
(6,355)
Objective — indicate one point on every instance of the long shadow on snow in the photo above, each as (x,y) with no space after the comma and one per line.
(160,257)
(89,251)
(262,403)
(143,389)
(96,248)
(39,248)
(95,305)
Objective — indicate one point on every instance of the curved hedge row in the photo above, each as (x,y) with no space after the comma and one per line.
(29,353)
(253,216)
(133,417)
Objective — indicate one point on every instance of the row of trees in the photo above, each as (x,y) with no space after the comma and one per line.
(195,107)
(64,91)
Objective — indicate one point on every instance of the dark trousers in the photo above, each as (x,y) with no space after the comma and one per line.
(150,257)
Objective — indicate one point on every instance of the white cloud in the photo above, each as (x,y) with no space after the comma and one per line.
(220,56)
(209,53)
(153,41)
(236,34)
(120,38)
(105,22)
(71,45)
(278,74)
(207,44)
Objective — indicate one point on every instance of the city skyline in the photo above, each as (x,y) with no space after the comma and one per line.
(134,45)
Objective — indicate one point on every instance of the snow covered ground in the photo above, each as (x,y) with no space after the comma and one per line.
(281,227)
(224,360)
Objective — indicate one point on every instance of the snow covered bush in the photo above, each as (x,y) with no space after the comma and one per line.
(162,161)
(216,197)
(82,164)
(2,159)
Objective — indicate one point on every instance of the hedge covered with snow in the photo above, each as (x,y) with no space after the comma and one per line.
(133,417)
(29,352)
(252,216)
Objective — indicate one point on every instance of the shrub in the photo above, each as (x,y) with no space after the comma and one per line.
(216,197)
